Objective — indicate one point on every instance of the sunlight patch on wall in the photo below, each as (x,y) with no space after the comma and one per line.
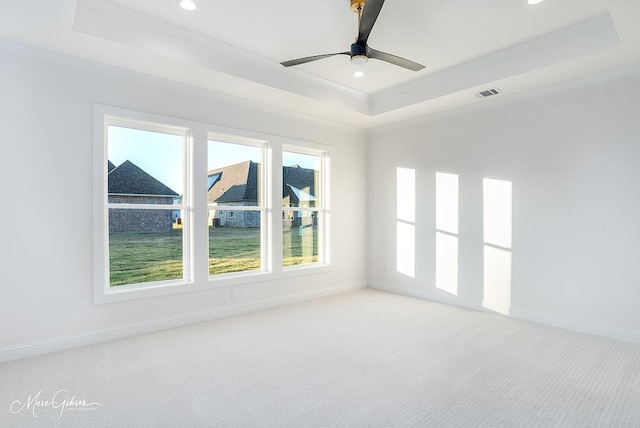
(497,233)
(497,279)
(497,212)
(447,196)
(406,191)
(447,202)
(406,253)
(447,263)
(405,221)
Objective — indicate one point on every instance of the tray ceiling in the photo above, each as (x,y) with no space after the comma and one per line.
(236,48)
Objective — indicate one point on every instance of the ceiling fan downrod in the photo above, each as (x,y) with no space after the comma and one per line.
(357,51)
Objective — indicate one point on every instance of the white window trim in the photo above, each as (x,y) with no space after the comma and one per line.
(264,207)
(196,190)
(324,211)
(105,116)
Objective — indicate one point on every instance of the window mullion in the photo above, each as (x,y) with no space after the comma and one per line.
(236,207)
(166,207)
(276,204)
(199,213)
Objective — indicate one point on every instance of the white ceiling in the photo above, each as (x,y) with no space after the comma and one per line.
(235,47)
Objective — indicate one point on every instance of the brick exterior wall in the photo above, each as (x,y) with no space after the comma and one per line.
(233,218)
(137,220)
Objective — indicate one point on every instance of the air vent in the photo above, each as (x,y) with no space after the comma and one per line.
(487,93)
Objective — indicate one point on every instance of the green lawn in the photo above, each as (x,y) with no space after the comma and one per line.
(146,257)
(233,249)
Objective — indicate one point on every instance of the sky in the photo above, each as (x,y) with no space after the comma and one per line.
(161,155)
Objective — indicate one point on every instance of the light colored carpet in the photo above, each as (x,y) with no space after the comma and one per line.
(361,359)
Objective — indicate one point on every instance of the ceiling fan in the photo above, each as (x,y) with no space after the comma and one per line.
(360,51)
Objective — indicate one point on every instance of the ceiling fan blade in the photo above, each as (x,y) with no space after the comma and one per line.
(370,13)
(311,58)
(395,60)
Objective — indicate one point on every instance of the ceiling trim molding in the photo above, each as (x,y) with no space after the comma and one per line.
(588,37)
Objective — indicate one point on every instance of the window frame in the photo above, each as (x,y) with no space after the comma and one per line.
(263,207)
(195,206)
(104,117)
(322,209)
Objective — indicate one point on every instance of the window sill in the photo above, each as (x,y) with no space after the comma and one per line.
(252,277)
(132,292)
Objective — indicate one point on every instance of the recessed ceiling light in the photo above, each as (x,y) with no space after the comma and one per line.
(535,1)
(358,74)
(188,4)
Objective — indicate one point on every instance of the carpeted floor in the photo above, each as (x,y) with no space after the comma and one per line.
(361,359)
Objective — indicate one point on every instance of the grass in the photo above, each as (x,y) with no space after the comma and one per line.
(233,249)
(146,257)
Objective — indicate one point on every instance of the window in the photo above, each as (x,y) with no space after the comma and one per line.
(182,205)
(236,207)
(304,207)
(146,202)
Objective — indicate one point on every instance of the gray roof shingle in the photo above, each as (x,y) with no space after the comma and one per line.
(129,179)
(239,182)
(236,183)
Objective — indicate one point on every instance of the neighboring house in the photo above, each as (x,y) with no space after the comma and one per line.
(237,185)
(298,190)
(129,184)
(234,185)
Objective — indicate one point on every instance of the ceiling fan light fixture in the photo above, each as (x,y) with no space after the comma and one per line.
(187,4)
(535,1)
(359,59)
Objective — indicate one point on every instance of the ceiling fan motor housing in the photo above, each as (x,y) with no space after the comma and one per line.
(359,54)
(358,51)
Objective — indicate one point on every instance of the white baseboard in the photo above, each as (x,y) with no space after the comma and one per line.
(596,330)
(61,343)
(551,321)
(428,295)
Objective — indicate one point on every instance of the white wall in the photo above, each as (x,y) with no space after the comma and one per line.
(573,158)
(46,107)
